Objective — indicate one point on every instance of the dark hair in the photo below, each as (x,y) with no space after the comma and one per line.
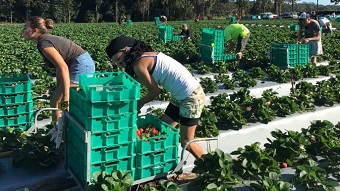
(136,51)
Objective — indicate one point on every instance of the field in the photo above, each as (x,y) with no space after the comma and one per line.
(235,108)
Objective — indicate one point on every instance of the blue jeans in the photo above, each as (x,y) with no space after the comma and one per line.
(82,65)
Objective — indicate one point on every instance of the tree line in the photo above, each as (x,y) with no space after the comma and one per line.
(144,10)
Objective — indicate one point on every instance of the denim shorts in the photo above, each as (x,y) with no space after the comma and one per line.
(82,65)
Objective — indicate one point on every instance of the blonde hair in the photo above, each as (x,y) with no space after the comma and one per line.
(40,24)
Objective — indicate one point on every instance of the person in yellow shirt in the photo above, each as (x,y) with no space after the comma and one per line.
(237,32)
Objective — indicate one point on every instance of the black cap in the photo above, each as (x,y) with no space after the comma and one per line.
(119,43)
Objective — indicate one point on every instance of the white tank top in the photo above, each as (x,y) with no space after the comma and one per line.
(172,76)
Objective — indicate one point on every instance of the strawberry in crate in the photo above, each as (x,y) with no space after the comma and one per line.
(147,131)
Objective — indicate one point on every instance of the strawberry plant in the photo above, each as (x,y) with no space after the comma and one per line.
(257,72)
(312,177)
(260,111)
(289,147)
(37,151)
(11,138)
(214,168)
(277,75)
(253,163)
(296,73)
(220,67)
(305,102)
(229,84)
(271,183)
(243,79)
(207,124)
(117,180)
(203,68)
(311,71)
(322,135)
(208,85)
(269,95)
(323,94)
(220,77)
(284,106)
(228,113)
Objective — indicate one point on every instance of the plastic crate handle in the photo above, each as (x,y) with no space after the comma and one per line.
(10,95)
(114,89)
(117,102)
(112,118)
(112,134)
(107,150)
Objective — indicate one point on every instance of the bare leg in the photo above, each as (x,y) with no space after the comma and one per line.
(188,133)
(168,120)
(313,59)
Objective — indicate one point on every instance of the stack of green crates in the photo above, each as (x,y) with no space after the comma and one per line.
(105,106)
(128,22)
(289,55)
(294,27)
(156,155)
(16,104)
(165,33)
(158,21)
(338,19)
(212,46)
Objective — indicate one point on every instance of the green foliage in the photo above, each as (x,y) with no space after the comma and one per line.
(312,177)
(207,124)
(214,169)
(208,85)
(257,72)
(287,147)
(116,181)
(253,163)
(273,182)
(228,113)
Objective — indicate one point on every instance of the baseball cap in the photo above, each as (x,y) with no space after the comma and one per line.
(303,16)
(119,43)
(184,25)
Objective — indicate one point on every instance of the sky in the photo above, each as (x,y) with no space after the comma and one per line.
(321,2)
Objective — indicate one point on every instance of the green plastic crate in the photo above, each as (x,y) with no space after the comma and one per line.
(15,109)
(99,155)
(23,126)
(14,83)
(15,98)
(109,86)
(165,33)
(103,140)
(159,169)
(338,19)
(176,37)
(158,157)
(84,173)
(294,27)
(13,120)
(212,37)
(128,22)
(103,123)
(169,137)
(229,57)
(283,59)
(100,109)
